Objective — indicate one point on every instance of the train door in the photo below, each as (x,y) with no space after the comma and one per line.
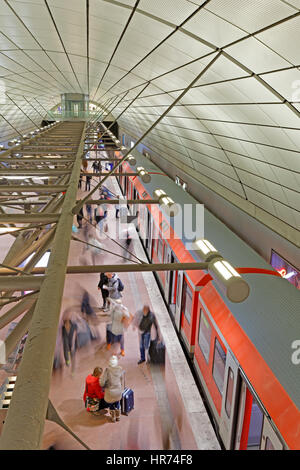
(170,286)
(125,185)
(270,440)
(178,299)
(148,241)
(250,417)
(228,409)
(134,208)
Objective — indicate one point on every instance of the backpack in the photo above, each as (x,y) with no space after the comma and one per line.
(120,285)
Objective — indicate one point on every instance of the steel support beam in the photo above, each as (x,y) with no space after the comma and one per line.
(101,159)
(33,172)
(16,311)
(21,283)
(36,160)
(104,174)
(28,217)
(33,188)
(122,201)
(120,268)
(24,424)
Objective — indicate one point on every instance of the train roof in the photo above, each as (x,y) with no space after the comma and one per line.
(270,316)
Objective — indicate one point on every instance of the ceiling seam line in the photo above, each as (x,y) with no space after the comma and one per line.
(21,110)
(228,164)
(117,45)
(234,152)
(27,29)
(62,43)
(223,121)
(248,186)
(176,28)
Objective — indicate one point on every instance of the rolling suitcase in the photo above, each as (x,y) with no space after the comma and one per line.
(157,352)
(127,400)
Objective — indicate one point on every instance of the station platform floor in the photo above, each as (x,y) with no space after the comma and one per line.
(168,412)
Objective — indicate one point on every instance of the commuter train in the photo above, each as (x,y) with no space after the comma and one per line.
(243,352)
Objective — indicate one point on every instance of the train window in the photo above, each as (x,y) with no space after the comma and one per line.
(204,336)
(255,427)
(160,249)
(229,392)
(269,445)
(219,365)
(187,301)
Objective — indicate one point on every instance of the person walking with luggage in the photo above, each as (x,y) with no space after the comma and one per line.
(86,306)
(95,167)
(127,244)
(89,212)
(79,218)
(117,208)
(95,247)
(99,218)
(93,396)
(88,182)
(105,293)
(69,337)
(111,380)
(143,320)
(119,314)
(114,286)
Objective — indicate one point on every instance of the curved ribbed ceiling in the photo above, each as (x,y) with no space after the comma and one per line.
(236,130)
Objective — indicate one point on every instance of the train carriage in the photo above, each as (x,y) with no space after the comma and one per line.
(240,352)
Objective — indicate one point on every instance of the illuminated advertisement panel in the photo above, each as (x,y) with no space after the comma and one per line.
(286,270)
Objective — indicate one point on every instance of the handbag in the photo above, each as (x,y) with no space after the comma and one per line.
(91,403)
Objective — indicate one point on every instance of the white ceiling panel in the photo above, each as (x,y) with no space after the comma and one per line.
(284,40)
(251,16)
(233,128)
(213,29)
(173,11)
(256,56)
(287,83)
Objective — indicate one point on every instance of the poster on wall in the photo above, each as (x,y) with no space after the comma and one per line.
(286,270)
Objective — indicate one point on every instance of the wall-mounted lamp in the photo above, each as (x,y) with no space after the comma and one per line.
(228,279)
(131,160)
(206,250)
(143,174)
(170,206)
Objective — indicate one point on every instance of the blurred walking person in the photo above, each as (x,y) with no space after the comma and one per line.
(89,212)
(105,293)
(143,320)
(86,308)
(88,182)
(79,217)
(119,313)
(111,380)
(70,341)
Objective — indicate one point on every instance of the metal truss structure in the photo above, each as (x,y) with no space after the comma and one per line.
(38,203)
(41,220)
